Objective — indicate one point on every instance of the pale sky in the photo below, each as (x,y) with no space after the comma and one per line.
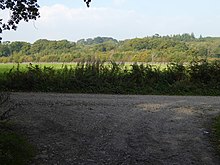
(120,19)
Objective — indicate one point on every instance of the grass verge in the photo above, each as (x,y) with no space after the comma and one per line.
(216,130)
(14,148)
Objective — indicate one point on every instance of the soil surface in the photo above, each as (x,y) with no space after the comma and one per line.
(117,129)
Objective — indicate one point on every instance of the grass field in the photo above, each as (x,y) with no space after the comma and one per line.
(6,67)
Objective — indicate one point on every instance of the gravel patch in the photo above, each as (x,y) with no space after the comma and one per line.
(117,129)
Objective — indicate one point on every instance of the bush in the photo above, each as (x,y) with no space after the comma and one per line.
(14,149)
(197,78)
(216,131)
(205,73)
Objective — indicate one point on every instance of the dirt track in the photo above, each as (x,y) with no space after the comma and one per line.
(111,129)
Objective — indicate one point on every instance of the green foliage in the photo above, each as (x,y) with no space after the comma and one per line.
(4,50)
(205,73)
(14,149)
(20,10)
(185,37)
(96,40)
(175,73)
(197,78)
(176,48)
(216,130)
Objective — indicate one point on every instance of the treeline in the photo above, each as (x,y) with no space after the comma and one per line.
(174,48)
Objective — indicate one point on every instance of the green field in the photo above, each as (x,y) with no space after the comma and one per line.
(6,67)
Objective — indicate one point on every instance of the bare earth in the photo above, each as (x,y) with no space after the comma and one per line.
(118,129)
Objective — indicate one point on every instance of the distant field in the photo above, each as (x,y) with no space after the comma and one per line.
(6,67)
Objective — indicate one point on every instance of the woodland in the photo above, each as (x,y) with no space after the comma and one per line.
(178,48)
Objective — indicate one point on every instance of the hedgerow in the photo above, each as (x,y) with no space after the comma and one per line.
(195,78)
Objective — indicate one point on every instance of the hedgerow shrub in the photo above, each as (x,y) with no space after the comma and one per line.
(196,78)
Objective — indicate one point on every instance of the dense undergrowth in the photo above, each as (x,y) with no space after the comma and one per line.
(216,131)
(196,78)
(14,148)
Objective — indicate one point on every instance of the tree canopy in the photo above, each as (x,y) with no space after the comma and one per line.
(174,48)
(87,2)
(20,10)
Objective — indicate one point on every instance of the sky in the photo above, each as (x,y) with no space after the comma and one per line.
(120,19)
